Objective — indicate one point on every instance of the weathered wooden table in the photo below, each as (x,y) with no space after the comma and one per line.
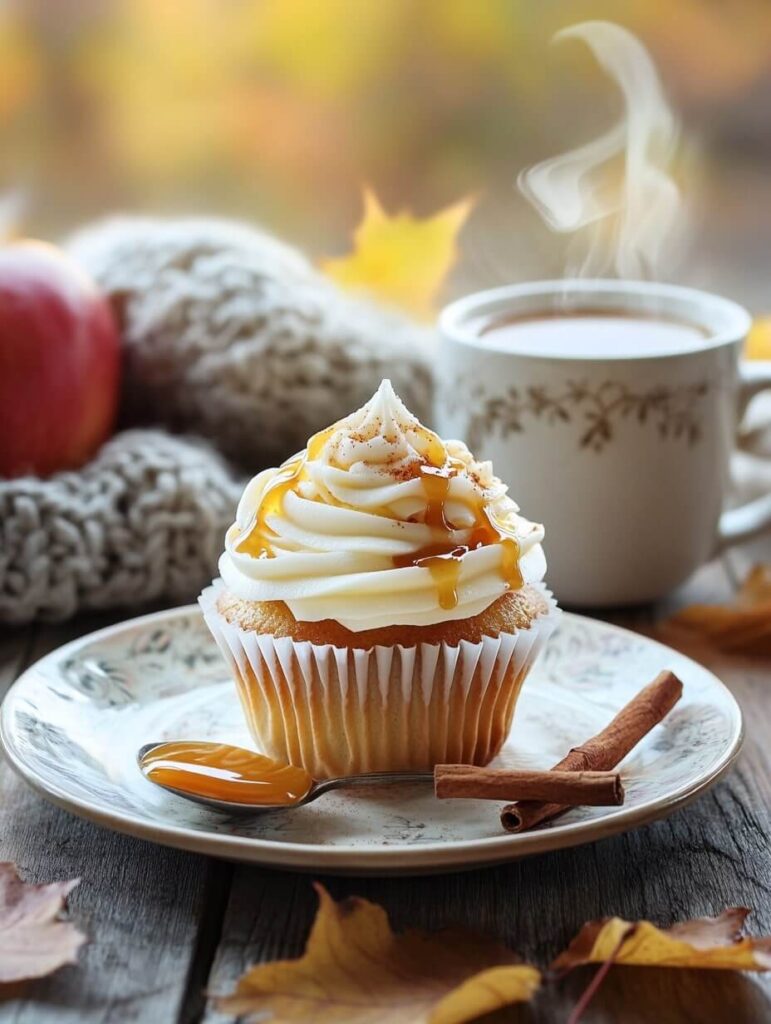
(165,926)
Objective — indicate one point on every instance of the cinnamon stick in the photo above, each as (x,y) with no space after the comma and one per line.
(605,750)
(452,781)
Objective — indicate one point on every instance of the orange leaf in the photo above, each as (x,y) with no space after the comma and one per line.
(401,259)
(743,627)
(705,942)
(33,942)
(756,589)
(355,970)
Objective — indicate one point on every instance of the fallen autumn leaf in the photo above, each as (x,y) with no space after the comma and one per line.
(704,942)
(401,259)
(355,970)
(743,627)
(33,942)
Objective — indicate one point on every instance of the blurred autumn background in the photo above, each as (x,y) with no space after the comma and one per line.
(279,111)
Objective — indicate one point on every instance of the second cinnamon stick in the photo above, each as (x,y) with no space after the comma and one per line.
(598,789)
(605,750)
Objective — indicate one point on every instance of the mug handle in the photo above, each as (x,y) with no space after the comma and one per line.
(753,518)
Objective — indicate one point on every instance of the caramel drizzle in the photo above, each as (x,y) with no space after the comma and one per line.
(442,558)
(255,540)
(223,772)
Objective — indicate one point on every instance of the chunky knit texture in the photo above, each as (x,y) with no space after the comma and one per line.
(228,334)
(144,520)
(233,335)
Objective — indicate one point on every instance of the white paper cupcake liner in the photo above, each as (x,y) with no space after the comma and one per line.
(338,711)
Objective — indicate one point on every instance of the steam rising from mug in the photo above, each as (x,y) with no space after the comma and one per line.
(626,228)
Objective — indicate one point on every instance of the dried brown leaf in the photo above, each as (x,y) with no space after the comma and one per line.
(355,970)
(33,942)
(705,942)
(743,627)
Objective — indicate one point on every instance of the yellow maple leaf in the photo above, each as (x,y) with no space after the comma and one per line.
(401,259)
(705,942)
(355,970)
(758,344)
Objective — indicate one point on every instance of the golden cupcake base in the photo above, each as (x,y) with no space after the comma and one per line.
(338,710)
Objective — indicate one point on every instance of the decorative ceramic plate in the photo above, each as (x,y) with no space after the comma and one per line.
(73,722)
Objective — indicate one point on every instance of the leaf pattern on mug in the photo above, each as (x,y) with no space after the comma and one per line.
(675,412)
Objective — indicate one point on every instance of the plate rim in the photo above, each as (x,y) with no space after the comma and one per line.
(393,859)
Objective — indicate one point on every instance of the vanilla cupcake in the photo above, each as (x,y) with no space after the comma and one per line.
(380,601)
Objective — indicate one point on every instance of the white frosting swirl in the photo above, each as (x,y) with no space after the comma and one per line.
(333,532)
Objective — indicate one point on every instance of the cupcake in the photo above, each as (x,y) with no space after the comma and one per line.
(380,601)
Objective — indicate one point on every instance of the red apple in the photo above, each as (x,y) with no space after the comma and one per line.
(59,362)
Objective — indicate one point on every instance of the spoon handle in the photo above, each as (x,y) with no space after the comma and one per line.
(370,779)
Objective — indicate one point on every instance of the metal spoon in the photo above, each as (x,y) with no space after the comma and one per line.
(316,788)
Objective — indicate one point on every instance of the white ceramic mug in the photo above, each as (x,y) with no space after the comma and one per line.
(625,460)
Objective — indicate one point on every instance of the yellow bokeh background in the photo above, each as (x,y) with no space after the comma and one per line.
(279,111)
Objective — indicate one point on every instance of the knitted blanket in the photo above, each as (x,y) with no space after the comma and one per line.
(232,335)
(144,520)
(229,335)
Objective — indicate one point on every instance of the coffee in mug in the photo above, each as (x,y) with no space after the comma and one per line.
(591,333)
(614,406)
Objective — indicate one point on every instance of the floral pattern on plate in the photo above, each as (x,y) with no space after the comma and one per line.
(73,722)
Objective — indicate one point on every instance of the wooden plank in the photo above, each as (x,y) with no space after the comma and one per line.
(15,645)
(151,913)
(149,961)
(705,857)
